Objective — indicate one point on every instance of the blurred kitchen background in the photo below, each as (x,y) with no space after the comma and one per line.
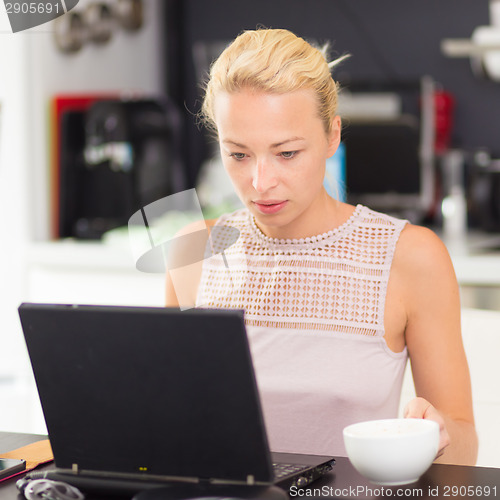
(98,119)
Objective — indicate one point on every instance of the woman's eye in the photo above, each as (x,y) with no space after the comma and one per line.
(237,156)
(288,154)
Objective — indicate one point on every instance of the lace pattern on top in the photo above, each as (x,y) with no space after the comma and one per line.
(336,281)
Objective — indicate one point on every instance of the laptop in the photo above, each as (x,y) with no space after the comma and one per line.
(135,397)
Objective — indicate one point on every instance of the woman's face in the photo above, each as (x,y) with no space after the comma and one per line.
(274,148)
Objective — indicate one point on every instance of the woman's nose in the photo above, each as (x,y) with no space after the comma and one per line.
(264,177)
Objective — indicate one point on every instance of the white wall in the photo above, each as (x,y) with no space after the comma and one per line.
(32,71)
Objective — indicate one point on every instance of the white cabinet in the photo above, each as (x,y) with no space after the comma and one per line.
(90,273)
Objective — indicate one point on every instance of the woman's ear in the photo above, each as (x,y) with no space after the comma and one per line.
(334,136)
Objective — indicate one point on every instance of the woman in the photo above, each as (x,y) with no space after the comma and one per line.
(336,297)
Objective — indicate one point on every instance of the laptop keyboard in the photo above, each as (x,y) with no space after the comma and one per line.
(282,470)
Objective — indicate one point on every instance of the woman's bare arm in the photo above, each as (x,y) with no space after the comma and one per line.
(434,341)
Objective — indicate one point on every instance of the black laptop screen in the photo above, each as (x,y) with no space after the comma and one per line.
(148,390)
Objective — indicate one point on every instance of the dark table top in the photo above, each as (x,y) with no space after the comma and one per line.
(440,481)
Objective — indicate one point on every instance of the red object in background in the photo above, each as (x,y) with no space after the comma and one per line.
(444,106)
(59,105)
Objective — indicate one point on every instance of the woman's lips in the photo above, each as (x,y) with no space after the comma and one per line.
(269,206)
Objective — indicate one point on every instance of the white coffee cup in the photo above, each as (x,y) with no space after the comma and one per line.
(392,451)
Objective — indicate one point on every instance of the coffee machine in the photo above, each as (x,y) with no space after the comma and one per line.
(116,157)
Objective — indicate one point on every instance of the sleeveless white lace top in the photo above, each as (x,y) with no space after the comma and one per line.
(314,310)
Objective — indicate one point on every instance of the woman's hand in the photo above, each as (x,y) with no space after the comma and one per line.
(421,408)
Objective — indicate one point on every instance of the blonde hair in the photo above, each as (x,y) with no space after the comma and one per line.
(275,61)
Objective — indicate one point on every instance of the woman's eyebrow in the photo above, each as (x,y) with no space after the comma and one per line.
(292,139)
(275,145)
(233,143)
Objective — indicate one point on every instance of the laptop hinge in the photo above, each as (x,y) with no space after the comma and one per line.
(204,481)
(250,481)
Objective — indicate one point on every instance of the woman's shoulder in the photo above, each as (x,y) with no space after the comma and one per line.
(422,277)
(421,253)
(419,241)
